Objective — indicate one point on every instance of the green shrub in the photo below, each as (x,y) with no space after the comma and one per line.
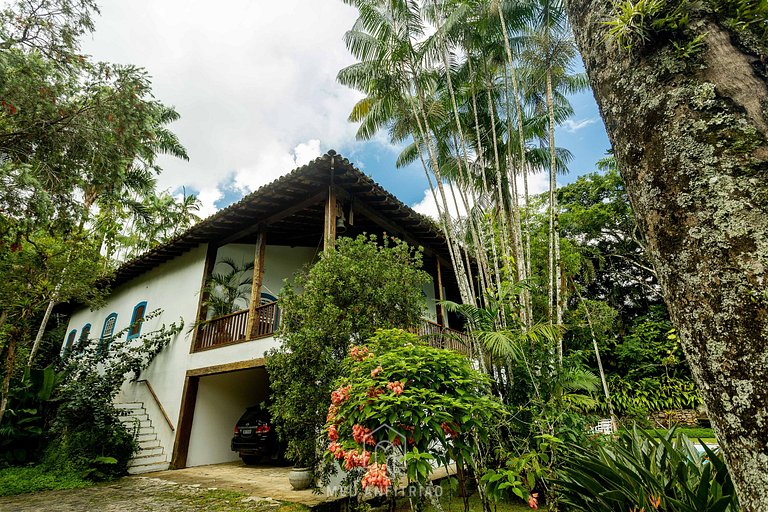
(639,471)
(21,480)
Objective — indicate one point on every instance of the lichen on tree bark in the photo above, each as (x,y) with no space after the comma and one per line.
(691,140)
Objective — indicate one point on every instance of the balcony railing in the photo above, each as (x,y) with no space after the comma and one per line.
(233,328)
(444,337)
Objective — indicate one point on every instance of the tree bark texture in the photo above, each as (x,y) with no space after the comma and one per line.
(691,139)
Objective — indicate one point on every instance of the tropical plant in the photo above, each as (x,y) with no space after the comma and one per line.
(638,471)
(22,429)
(76,136)
(229,288)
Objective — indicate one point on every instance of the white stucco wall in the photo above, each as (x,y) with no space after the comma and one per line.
(221,400)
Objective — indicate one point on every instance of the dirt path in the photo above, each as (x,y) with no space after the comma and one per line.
(144,494)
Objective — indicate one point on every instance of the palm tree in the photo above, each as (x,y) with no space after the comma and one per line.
(229,288)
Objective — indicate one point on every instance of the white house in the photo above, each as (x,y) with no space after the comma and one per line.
(194,391)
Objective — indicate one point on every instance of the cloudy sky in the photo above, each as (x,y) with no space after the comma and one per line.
(255,84)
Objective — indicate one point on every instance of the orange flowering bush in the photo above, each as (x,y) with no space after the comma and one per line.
(404,399)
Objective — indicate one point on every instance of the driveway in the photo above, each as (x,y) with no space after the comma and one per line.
(147,494)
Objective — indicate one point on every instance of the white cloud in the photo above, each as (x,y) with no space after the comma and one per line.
(275,162)
(574,125)
(537,183)
(254,82)
(428,207)
(207,197)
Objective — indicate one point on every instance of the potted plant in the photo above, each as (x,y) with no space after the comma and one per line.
(304,455)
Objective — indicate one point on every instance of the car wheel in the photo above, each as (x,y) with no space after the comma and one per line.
(250,459)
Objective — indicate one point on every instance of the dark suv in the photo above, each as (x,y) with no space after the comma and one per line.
(255,437)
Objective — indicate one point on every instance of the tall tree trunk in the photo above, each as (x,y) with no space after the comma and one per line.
(554,224)
(522,161)
(10,358)
(691,141)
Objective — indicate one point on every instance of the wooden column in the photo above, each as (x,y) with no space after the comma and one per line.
(329,233)
(202,310)
(184,427)
(258,278)
(439,307)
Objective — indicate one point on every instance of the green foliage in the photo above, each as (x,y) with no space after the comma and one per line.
(354,289)
(22,429)
(745,16)
(28,479)
(639,471)
(229,288)
(79,142)
(637,397)
(428,402)
(637,24)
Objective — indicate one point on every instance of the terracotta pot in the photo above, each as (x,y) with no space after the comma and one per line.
(300,478)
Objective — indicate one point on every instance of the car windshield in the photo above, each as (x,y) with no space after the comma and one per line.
(253,414)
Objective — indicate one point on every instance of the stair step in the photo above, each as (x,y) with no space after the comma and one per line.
(149,436)
(134,417)
(149,443)
(148,468)
(149,452)
(144,461)
(130,405)
(138,432)
(141,424)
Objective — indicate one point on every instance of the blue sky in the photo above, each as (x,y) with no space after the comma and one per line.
(258,96)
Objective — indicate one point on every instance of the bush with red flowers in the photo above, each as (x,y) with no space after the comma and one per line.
(401,397)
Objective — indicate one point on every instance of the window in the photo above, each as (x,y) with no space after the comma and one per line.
(84,337)
(70,341)
(107,332)
(137,319)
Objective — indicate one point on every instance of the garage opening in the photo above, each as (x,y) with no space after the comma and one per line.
(220,401)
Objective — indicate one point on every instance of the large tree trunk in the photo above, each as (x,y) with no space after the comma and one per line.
(691,140)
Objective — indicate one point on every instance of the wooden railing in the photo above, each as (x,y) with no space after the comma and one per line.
(267,318)
(159,405)
(440,336)
(233,328)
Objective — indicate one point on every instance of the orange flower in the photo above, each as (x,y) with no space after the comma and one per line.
(332,411)
(352,459)
(533,501)
(655,501)
(340,395)
(336,450)
(376,371)
(362,435)
(396,387)
(376,476)
(333,434)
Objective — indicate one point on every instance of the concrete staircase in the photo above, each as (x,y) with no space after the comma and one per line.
(151,455)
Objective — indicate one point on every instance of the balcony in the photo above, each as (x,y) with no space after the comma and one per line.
(233,328)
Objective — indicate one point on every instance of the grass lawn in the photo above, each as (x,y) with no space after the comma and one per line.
(693,433)
(25,479)
(456,504)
